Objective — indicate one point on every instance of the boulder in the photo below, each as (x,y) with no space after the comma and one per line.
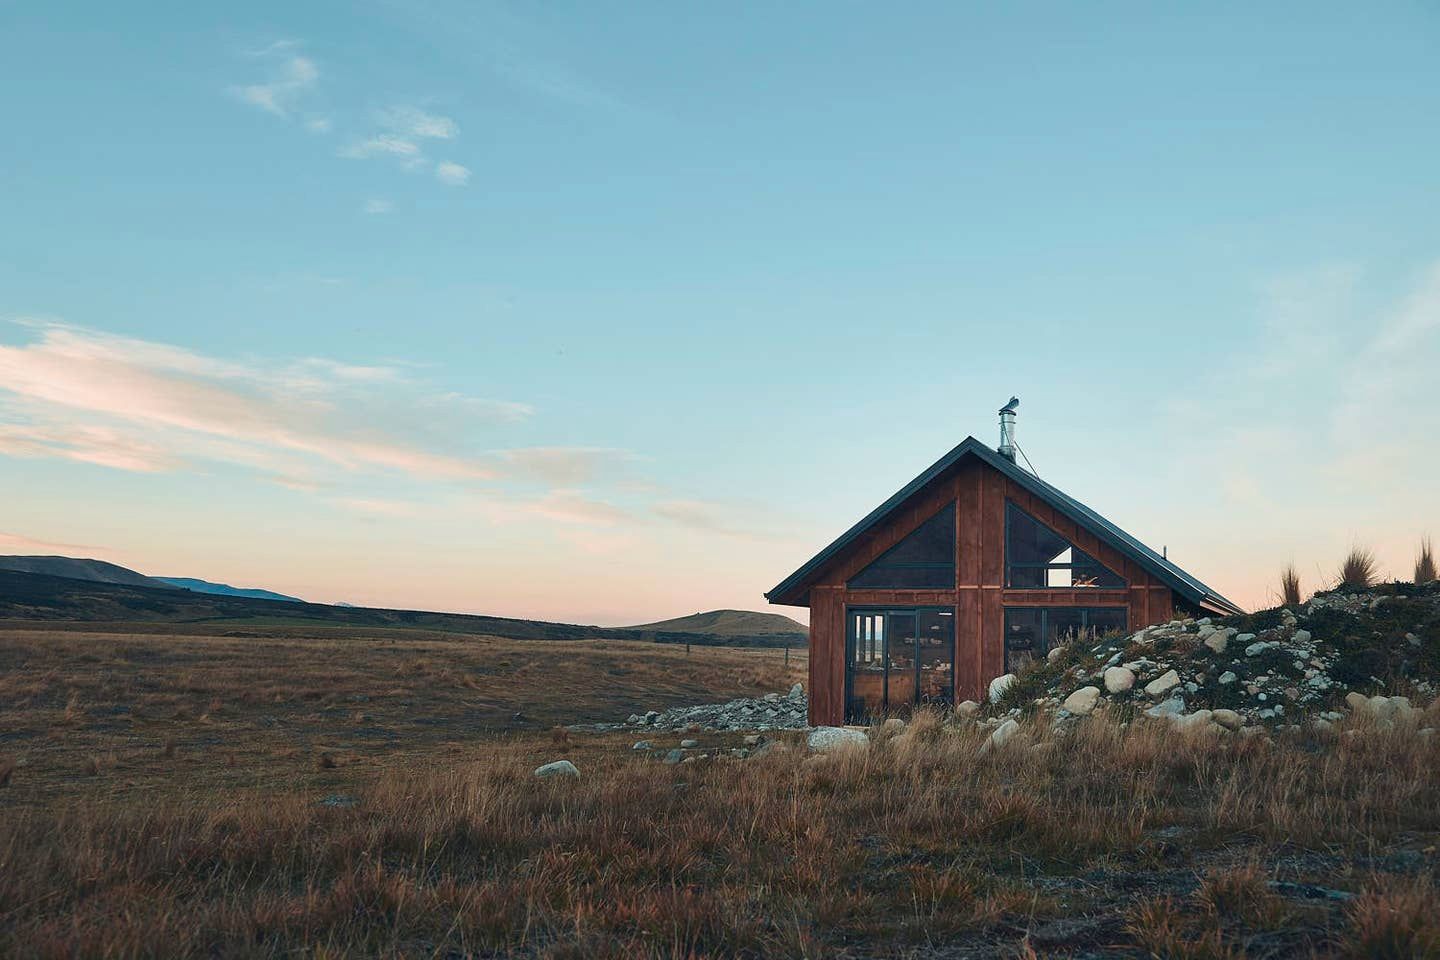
(1228,719)
(1162,684)
(894,725)
(641,745)
(1119,679)
(1228,677)
(999,685)
(1173,707)
(1301,636)
(1082,701)
(797,691)
(560,768)
(1217,641)
(1002,735)
(826,739)
(1197,722)
(674,756)
(689,744)
(1056,653)
(967,708)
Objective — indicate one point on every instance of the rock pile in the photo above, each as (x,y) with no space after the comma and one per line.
(770,712)
(1283,667)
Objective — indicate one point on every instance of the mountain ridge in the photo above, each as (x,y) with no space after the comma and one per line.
(728,623)
(225,590)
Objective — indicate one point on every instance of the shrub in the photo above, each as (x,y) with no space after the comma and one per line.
(1395,920)
(1425,563)
(1358,570)
(1289,587)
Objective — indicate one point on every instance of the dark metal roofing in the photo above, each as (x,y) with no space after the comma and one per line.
(1168,573)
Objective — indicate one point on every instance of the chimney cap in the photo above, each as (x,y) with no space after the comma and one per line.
(1010,407)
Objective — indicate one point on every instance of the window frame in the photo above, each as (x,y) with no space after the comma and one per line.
(1093,563)
(952,566)
(1044,628)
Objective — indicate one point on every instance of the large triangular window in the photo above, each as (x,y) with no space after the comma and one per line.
(1037,557)
(925,558)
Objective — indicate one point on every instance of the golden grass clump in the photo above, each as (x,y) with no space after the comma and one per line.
(1395,919)
(1289,587)
(1425,563)
(1359,568)
(915,838)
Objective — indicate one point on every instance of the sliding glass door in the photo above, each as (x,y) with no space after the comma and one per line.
(895,659)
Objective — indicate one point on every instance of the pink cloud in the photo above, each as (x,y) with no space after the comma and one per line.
(137,405)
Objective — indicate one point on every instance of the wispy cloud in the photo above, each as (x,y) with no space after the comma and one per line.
(376,205)
(729,520)
(138,405)
(20,544)
(565,466)
(291,78)
(452,174)
(400,135)
(378,507)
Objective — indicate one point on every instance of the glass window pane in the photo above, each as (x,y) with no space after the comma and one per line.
(900,653)
(1022,637)
(1037,556)
(937,656)
(1064,625)
(1105,619)
(925,558)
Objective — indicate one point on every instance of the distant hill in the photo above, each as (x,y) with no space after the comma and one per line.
(97,571)
(730,623)
(225,590)
(29,598)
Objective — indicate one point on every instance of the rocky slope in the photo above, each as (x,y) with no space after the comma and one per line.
(1373,652)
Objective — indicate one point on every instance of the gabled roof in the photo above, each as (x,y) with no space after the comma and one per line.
(1153,563)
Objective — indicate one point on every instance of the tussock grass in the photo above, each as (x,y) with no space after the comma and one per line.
(1395,919)
(1425,563)
(1358,568)
(1290,587)
(916,840)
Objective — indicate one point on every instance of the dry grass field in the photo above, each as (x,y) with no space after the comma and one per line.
(172,802)
(121,716)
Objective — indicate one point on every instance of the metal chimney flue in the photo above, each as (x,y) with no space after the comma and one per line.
(1007,429)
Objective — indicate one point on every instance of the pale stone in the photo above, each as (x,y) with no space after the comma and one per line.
(1173,707)
(1359,703)
(1228,677)
(1217,641)
(825,739)
(967,708)
(1302,636)
(560,768)
(1055,654)
(1197,722)
(1228,719)
(1001,735)
(999,685)
(1119,679)
(894,725)
(1082,701)
(1162,684)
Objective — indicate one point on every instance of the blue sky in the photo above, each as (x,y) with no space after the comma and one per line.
(612,312)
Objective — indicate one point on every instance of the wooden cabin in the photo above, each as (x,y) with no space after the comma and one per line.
(972,570)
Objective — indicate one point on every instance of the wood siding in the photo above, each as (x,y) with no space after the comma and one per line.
(979,596)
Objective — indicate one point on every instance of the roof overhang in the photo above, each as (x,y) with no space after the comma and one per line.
(794,590)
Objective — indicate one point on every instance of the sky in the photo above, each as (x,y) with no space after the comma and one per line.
(612,312)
